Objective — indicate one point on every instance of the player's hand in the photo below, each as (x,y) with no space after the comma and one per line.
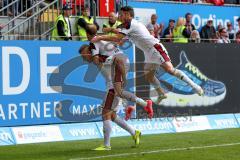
(115,30)
(96,39)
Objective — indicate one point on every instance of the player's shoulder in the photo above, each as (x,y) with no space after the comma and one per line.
(128,25)
(94,45)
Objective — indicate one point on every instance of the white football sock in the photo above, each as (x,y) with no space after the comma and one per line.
(131,97)
(107,128)
(181,75)
(120,122)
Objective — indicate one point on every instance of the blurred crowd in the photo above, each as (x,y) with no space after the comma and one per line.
(180,30)
(183,31)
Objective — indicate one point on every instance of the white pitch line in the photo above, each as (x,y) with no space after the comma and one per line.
(157,151)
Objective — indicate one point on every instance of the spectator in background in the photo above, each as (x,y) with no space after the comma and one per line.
(24,5)
(188,17)
(219,26)
(1,27)
(223,36)
(238,37)
(207,31)
(214,38)
(195,37)
(237,29)
(154,28)
(230,30)
(180,33)
(189,26)
(82,23)
(110,27)
(75,4)
(168,32)
(62,27)
(12,9)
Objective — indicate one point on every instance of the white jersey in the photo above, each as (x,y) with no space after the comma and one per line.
(139,35)
(106,52)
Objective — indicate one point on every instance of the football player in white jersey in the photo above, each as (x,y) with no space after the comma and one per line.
(155,53)
(113,65)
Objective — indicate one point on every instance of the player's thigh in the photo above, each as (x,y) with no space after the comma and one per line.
(150,69)
(115,106)
(107,103)
(168,67)
(159,54)
(118,87)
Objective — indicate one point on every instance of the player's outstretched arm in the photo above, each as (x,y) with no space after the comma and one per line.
(112,38)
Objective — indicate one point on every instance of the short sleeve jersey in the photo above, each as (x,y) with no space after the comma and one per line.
(139,35)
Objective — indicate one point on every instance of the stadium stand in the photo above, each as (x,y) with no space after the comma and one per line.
(34,19)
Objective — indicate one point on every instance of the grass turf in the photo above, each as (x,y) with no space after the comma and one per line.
(122,145)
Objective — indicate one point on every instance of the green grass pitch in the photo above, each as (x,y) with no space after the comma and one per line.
(200,145)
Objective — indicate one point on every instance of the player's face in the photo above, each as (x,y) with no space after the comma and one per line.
(126,17)
(86,55)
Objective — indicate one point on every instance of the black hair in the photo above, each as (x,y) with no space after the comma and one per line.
(238,33)
(91,29)
(187,14)
(221,29)
(128,9)
(82,48)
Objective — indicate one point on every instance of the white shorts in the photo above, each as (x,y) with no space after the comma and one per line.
(108,71)
(111,103)
(157,54)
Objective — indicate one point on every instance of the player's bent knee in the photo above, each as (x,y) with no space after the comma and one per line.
(106,114)
(119,93)
(113,116)
(149,78)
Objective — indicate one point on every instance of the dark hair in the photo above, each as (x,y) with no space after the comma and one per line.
(128,9)
(82,48)
(221,30)
(238,19)
(91,29)
(238,33)
(187,14)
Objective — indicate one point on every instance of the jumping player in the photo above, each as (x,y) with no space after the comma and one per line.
(107,53)
(113,67)
(155,53)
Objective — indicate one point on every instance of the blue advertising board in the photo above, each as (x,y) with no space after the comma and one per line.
(79,131)
(238,118)
(221,121)
(6,137)
(201,13)
(46,82)
(156,126)
(93,130)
